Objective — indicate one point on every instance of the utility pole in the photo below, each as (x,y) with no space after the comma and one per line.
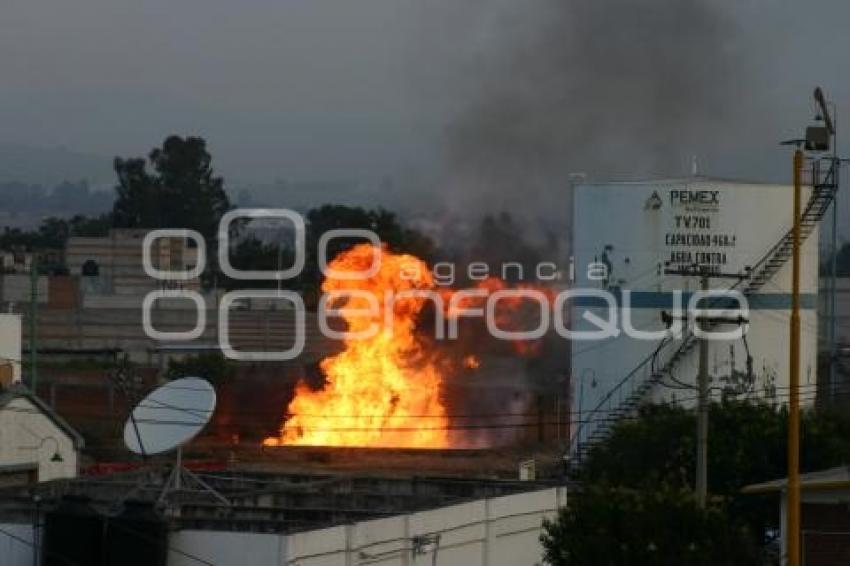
(793,511)
(818,139)
(702,417)
(703,398)
(33,324)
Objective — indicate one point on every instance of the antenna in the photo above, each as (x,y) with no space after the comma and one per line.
(824,110)
(166,420)
(170,416)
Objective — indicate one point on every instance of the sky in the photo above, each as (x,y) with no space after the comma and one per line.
(310,89)
(411,89)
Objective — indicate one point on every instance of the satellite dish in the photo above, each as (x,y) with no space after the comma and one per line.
(170,416)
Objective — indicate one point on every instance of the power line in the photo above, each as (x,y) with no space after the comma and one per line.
(146,538)
(256,417)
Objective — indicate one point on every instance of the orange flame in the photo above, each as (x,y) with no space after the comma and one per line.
(381,391)
(510,312)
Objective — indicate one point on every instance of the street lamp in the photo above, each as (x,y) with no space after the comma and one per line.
(57,455)
(817,140)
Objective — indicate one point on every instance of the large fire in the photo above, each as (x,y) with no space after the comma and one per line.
(382,391)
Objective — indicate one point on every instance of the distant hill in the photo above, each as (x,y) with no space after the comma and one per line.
(49,166)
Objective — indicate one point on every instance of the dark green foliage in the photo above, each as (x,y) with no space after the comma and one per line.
(615,526)
(181,191)
(176,188)
(91,226)
(251,253)
(54,232)
(747,443)
(656,452)
(382,222)
(213,367)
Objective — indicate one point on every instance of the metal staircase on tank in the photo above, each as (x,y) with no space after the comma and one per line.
(624,399)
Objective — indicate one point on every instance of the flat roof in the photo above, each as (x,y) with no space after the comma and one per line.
(262,501)
(824,480)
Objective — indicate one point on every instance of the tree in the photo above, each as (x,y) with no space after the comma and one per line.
(54,232)
(213,367)
(90,226)
(182,191)
(251,253)
(605,525)
(269,254)
(383,223)
(747,444)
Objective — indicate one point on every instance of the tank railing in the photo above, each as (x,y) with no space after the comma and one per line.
(615,399)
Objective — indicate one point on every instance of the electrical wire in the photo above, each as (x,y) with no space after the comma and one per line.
(32,544)
(808,392)
(146,538)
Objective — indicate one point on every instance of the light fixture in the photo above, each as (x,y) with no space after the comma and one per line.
(57,454)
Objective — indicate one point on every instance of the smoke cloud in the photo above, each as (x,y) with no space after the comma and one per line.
(612,89)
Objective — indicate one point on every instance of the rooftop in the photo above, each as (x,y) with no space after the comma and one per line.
(833,478)
(260,501)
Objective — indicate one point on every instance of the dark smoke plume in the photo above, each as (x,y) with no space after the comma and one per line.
(614,89)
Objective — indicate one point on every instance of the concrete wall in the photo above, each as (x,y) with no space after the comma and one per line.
(10,345)
(16,544)
(16,288)
(119,259)
(226,549)
(28,436)
(502,531)
(116,322)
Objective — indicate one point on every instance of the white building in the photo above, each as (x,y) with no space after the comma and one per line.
(499,531)
(298,520)
(640,232)
(113,264)
(36,445)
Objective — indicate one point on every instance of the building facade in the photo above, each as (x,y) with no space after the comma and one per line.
(36,445)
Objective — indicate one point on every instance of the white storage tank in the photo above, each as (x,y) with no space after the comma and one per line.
(641,230)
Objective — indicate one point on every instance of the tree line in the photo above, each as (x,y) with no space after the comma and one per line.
(176,185)
(636,504)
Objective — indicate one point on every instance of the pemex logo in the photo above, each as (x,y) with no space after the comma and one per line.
(654,202)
